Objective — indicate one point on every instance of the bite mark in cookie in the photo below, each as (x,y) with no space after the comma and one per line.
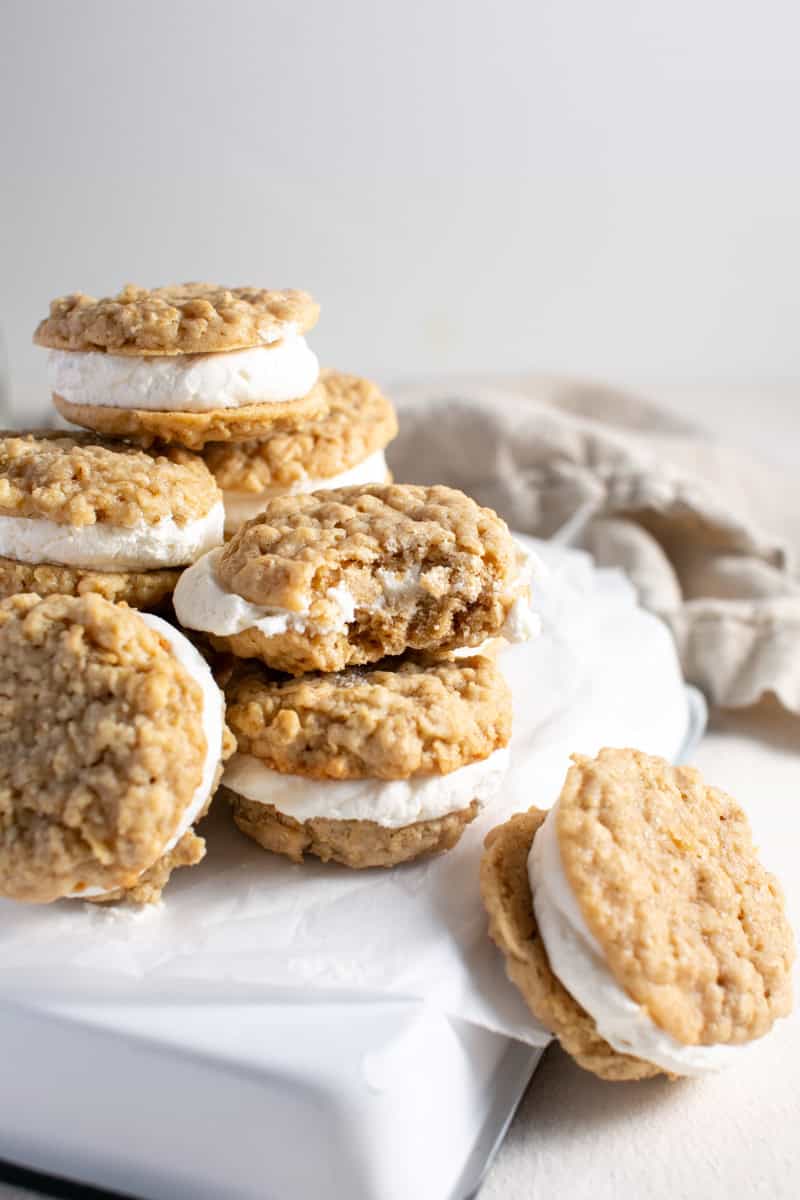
(349,576)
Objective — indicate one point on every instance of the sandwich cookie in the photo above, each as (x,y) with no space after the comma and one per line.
(344,446)
(320,581)
(368,768)
(112,736)
(637,921)
(190,363)
(78,514)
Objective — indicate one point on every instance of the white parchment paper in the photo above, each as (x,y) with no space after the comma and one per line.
(246,922)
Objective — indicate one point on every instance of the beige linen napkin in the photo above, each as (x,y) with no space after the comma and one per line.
(710,538)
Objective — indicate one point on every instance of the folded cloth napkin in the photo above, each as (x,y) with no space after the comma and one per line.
(710,538)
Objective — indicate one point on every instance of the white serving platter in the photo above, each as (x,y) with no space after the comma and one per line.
(282,1032)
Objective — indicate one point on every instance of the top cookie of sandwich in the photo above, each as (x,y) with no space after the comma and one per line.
(101,745)
(391,722)
(669,883)
(447,542)
(358,422)
(189,318)
(77,479)
(352,575)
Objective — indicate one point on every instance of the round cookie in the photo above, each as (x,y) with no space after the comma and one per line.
(366,767)
(341,447)
(184,318)
(189,363)
(648,896)
(192,429)
(352,575)
(112,736)
(78,514)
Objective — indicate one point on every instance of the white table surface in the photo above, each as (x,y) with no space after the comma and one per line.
(577,1137)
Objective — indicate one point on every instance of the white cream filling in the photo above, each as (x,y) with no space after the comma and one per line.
(392,803)
(213,722)
(577,959)
(241,506)
(286,370)
(103,547)
(201,603)
(522,624)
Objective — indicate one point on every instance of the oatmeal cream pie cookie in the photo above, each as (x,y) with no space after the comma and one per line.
(343,446)
(189,363)
(321,581)
(637,921)
(112,736)
(367,767)
(78,514)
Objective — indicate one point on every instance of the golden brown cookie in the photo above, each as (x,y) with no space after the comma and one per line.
(185,318)
(354,844)
(357,424)
(698,936)
(193,429)
(351,575)
(506,896)
(366,767)
(111,736)
(390,721)
(139,589)
(188,364)
(79,514)
(79,479)
(655,908)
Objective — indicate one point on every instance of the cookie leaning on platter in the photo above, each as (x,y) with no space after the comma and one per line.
(81,514)
(343,446)
(352,575)
(366,767)
(188,363)
(112,738)
(637,921)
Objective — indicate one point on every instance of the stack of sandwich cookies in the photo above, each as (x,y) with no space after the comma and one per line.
(321,581)
(112,738)
(343,446)
(189,363)
(637,921)
(367,767)
(79,514)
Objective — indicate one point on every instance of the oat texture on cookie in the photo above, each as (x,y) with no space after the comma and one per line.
(673,933)
(81,480)
(101,746)
(670,884)
(154,428)
(423,568)
(189,318)
(355,844)
(139,589)
(506,895)
(357,421)
(389,722)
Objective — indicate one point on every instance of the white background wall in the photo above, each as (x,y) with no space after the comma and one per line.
(609,189)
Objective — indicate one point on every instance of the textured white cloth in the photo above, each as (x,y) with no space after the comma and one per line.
(710,538)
